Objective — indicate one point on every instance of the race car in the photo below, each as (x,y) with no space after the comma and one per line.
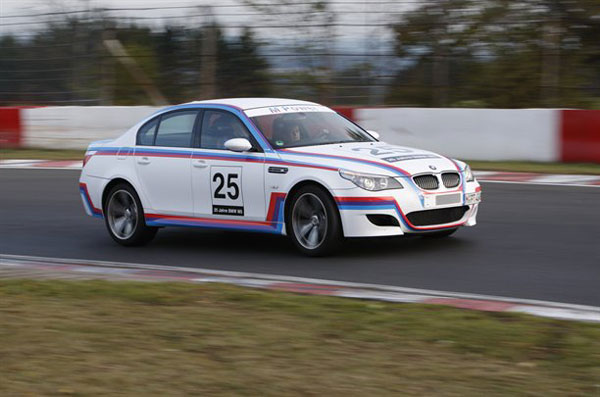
(269,165)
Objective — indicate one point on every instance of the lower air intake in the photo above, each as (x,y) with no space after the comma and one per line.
(437,217)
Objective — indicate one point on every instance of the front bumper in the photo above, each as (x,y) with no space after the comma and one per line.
(357,207)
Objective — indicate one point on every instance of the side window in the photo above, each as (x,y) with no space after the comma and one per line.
(176,129)
(145,136)
(218,127)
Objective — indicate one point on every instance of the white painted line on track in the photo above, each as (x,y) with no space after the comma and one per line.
(39,168)
(536,183)
(340,288)
(11,162)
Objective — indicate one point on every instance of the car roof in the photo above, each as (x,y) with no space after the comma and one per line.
(253,103)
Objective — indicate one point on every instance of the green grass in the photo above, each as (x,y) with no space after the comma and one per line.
(104,338)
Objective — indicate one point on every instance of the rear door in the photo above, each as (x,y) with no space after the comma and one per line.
(227,185)
(163,156)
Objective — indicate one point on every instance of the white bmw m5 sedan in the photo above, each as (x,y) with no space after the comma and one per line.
(274,166)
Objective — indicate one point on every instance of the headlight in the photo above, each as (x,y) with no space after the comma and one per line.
(469,177)
(371,182)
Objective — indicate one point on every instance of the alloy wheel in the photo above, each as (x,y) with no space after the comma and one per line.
(122,214)
(309,221)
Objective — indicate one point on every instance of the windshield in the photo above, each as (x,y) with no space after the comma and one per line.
(310,128)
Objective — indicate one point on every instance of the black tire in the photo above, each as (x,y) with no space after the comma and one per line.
(312,211)
(441,233)
(124,217)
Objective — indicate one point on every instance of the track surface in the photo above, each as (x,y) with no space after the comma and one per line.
(536,242)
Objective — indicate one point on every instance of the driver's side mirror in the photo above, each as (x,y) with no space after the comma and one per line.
(238,145)
(374,134)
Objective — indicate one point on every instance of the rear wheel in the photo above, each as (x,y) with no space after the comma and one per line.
(124,217)
(313,222)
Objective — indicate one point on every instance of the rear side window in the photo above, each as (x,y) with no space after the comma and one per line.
(145,136)
(176,129)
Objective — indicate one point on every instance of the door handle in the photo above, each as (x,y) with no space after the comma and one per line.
(143,160)
(200,164)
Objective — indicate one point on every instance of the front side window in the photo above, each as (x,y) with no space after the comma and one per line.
(176,129)
(218,127)
(309,128)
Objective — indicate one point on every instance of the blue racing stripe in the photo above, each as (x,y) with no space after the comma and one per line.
(137,151)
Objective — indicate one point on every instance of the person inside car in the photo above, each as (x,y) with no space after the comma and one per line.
(288,133)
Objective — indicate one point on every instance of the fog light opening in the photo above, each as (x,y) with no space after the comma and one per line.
(383,220)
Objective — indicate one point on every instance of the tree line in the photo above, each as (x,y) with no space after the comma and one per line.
(450,53)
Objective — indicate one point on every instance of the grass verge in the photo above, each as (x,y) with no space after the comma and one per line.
(517,166)
(99,337)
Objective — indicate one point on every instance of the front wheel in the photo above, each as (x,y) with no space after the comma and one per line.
(124,217)
(313,221)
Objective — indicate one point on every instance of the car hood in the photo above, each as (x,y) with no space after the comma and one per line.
(372,157)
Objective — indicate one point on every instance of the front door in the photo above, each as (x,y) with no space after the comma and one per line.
(226,185)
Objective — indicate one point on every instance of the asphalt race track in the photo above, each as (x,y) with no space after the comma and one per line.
(536,242)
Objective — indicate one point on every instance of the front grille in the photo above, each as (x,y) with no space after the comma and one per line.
(437,217)
(450,179)
(427,182)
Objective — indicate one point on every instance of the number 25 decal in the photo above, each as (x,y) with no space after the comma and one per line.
(233,189)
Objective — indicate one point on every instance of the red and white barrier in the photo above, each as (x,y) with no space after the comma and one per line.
(549,135)
(74,127)
(580,136)
(11,129)
(472,134)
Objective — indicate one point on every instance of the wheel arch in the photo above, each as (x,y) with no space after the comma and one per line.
(113,182)
(299,185)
